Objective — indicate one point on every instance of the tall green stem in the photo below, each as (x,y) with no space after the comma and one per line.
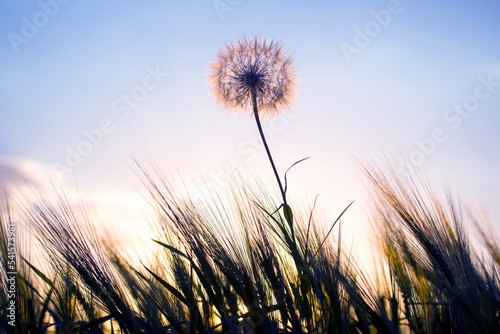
(257,119)
(286,208)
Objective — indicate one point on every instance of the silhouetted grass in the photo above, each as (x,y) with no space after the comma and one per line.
(230,263)
(445,286)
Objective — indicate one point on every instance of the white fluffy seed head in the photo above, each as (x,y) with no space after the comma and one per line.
(253,64)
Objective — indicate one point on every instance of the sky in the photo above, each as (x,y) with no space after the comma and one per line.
(87,86)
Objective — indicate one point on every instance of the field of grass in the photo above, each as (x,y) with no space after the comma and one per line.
(237,262)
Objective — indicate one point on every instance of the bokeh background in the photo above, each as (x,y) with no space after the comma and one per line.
(86,87)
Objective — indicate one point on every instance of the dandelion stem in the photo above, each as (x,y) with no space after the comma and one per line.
(257,119)
(286,208)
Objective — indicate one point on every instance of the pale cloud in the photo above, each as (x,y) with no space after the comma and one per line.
(123,215)
(21,174)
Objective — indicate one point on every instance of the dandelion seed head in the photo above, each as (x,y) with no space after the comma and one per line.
(253,64)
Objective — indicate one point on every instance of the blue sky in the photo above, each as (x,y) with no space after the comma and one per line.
(66,67)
